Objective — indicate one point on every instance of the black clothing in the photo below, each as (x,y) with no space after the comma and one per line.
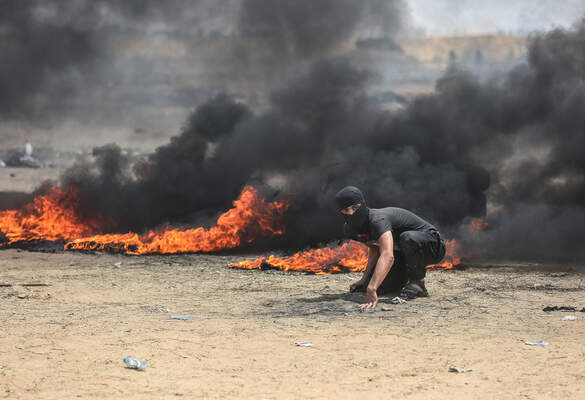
(348,196)
(397,220)
(416,250)
(381,220)
(419,244)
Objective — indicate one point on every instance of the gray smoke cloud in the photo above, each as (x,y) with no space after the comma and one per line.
(40,41)
(72,58)
(443,155)
(507,148)
(303,29)
(107,64)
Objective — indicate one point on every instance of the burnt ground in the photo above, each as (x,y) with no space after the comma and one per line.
(67,339)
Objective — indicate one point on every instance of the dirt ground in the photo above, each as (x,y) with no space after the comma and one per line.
(67,339)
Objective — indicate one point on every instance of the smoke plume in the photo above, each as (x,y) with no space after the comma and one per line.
(71,58)
(507,149)
(40,40)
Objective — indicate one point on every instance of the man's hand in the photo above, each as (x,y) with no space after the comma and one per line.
(371,299)
(356,286)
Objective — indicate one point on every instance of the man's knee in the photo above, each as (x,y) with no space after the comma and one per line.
(408,242)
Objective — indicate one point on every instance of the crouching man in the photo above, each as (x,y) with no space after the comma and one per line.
(401,245)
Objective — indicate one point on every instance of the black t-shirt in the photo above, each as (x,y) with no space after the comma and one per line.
(394,219)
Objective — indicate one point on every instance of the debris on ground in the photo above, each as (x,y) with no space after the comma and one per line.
(304,344)
(569,318)
(118,264)
(397,300)
(371,364)
(539,343)
(459,370)
(134,363)
(161,309)
(183,317)
(563,308)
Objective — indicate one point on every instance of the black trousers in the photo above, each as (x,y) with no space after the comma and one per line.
(416,250)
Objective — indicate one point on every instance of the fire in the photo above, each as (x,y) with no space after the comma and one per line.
(349,257)
(451,258)
(251,218)
(51,217)
(55,216)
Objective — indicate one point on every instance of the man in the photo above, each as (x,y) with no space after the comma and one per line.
(384,230)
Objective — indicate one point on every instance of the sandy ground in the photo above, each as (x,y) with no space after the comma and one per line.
(26,179)
(67,340)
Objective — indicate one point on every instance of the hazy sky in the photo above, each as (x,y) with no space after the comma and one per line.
(460,17)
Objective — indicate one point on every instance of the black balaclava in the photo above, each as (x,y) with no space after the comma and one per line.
(358,221)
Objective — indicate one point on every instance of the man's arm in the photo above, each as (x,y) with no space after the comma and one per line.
(383,265)
(373,254)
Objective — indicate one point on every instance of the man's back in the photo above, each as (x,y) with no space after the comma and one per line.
(396,220)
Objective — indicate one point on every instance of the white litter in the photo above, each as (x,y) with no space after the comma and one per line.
(304,344)
(459,370)
(569,318)
(134,363)
(539,343)
(397,300)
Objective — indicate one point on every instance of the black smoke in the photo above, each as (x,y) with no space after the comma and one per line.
(39,41)
(303,29)
(507,149)
(321,132)
(91,61)
(60,57)
(274,39)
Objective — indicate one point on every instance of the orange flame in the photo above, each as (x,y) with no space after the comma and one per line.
(52,217)
(349,257)
(451,259)
(251,218)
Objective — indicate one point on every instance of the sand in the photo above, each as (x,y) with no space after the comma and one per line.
(67,340)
